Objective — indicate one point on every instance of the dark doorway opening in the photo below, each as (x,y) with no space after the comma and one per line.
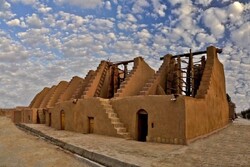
(91,125)
(142,125)
(62,120)
(49,119)
(37,117)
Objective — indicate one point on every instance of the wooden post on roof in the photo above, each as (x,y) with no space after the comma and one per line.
(192,73)
(203,63)
(179,76)
(116,78)
(125,70)
(169,79)
(111,85)
(188,79)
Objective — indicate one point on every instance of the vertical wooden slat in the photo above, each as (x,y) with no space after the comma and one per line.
(179,76)
(192,73)
(188,79)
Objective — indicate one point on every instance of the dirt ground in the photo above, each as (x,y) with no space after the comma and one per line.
(19,149)
(229,147)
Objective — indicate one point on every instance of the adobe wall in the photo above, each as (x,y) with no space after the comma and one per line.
(95,80)
(34,115)
(71,88)
(47,97)
(76,117)
(104,91)
(137,80)
(167,117)
(38,98)
(204,115)
(16,116)
(60,88)
(26,115)
(2,113)
(8,112)
(158,80)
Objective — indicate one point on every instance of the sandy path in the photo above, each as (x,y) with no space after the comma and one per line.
(229,147)
(23,150)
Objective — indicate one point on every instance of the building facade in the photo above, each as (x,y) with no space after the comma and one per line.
(184,100)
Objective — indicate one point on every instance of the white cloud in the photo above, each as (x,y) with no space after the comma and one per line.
(108,5)
(5,10)
(235,10)
(26,2)
(144,35)
(101,24)
(14,22)
(131,18)
(184,10)
(203,2)
(213,18)
(159,8)
(44,9)
(128,26)
(139,6)
(112,36)
(11,50)
(91,4)
(78,20)
(241,36)
(35,37)
(205,38)
(119,12)
(34,21)
(57,39)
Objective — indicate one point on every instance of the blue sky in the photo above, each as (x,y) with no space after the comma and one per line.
(44,42)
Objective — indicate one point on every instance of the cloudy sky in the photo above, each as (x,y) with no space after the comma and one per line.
(44,42)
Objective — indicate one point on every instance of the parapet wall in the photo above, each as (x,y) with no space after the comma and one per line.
(47,97)
(158,79)
(71,88)
(204,115)
(140,74)
(77,117)
(93,84)
(38,98)
(60,88)
(8,112)
(166,118)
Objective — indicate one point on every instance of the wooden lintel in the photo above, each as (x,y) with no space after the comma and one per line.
(218,50)
(123,62)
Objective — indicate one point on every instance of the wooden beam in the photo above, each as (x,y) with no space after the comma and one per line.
(218,50)
(123,62)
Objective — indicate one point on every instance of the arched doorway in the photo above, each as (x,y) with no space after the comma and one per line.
(142,117)
(62,115)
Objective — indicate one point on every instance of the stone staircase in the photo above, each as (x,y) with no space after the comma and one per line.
(101,82)
(67,94)
(56,94)
(38,98)
(155,80)
(60,99)
(115,121)
(93,83)
(47,97)
(206,78)
(79,91)
(35,99)
(125,83)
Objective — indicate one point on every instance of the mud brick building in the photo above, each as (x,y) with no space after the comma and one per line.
(183,100)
